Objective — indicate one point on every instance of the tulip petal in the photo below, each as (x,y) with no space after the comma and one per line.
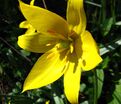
(24,24)
(36,42)
(48,68)
(72,80)
(43,20)
(32,2)
(87,51)
(76,15)
(29,27)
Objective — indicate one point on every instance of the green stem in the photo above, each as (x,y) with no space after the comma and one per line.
(95,87)
(113,9)
(102,16)
(45,6)
(13,48)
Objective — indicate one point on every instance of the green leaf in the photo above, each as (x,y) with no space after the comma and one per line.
(85,102)
(83,86)
(21,100)
(110,47)
(107,26)
(58,100)
(25,53)
(100,79)
(105,62)
(116,94)
(98,83)
(118,23)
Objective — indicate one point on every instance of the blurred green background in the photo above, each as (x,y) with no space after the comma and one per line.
(99,86)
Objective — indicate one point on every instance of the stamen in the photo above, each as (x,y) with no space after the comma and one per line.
(49,44)
(71,48)
(73,35)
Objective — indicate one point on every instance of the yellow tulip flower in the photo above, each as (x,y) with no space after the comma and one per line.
(69,49)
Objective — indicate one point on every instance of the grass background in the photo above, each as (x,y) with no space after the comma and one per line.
(102,85)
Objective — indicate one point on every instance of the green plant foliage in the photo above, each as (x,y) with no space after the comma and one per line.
(99,86)
(116,96)
(100,79)
(106,26)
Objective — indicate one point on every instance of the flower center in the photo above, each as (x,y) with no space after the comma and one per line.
(72,37)
(69,43)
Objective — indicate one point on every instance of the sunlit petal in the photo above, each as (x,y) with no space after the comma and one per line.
(36,42)
(76,15)
(48,68)
(43,20)
(87,51)
(72,80)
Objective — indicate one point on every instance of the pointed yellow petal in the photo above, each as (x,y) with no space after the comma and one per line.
(43,20)
(29,27)
(48,68)
(36,42)
(87,51)
(24,24)
(32,2)
(76,15)
(72,80)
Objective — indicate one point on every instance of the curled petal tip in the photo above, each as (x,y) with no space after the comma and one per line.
(23,91)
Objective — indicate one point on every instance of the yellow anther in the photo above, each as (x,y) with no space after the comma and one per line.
(71,48)
(49,44)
